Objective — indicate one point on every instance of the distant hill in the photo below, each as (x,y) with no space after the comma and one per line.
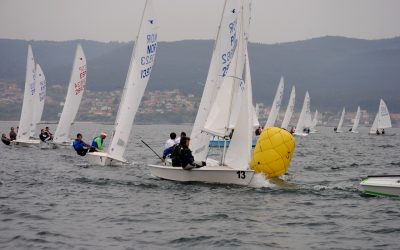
(337,71)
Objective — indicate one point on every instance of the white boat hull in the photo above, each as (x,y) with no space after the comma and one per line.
(26,143)
(104,159)
(300,134)
(385,185)
(207,174)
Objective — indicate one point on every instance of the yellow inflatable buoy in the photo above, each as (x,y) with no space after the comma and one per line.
(273,152)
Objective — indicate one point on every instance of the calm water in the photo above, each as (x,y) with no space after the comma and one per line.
(50,200)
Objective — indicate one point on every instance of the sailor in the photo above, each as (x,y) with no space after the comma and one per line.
(47,130)
(13,135)
(258,131)
(383,131)
(44,136)
(335,129)
(98,141)
(81,147)
(351,129)
(178,140)
(292,130)
(182,156)
(377,132)
(4,139)
(169,145)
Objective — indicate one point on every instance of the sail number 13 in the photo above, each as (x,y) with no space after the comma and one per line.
(241,174)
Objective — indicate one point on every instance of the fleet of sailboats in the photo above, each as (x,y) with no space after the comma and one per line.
(226,109)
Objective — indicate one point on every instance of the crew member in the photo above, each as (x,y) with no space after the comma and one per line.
(81,147)
(182,156)
(98,141)
(13,135)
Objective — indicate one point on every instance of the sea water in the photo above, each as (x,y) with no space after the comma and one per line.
(50,199)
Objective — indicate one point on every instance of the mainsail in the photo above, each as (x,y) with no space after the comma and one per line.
(238,154)
(224,48)
(29,92)
(74,96)
(220,117)
(382,119)
(314,122)
(356,120)
(275,105)
(141,64)
(38,98)
(339,127)
(289,109)
(303,115)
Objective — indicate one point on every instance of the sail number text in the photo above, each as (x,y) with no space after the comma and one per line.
(148,59)
(241,174)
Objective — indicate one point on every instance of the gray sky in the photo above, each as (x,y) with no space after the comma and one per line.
(272,20)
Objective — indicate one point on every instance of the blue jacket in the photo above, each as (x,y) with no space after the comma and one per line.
(79,144)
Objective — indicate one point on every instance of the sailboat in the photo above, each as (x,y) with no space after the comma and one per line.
(382,119)
(356,121)
(141,64)
(339,127)
(74,96)
(32,106)
(289,109)
(275,105)
(305,111)
(233,167)
(313,127)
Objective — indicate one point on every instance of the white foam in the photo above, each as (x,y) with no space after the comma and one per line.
(259,181)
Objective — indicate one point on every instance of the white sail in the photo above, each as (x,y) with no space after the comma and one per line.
(220,117)
(29,92)
(141,64)
(38,99)
(275,105)
(314,121)
(255,110)
(238,154)
(224,48)
(339,127)
(302,118)
(356,120)
(374,124)
(74,96)
(289,109)
(384,117)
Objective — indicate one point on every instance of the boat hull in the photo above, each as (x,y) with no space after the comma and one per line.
(27,143)
(300,134)
(215,175)
(384,185)
(103,159)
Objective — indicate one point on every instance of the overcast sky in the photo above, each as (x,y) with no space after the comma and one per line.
(272,20)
